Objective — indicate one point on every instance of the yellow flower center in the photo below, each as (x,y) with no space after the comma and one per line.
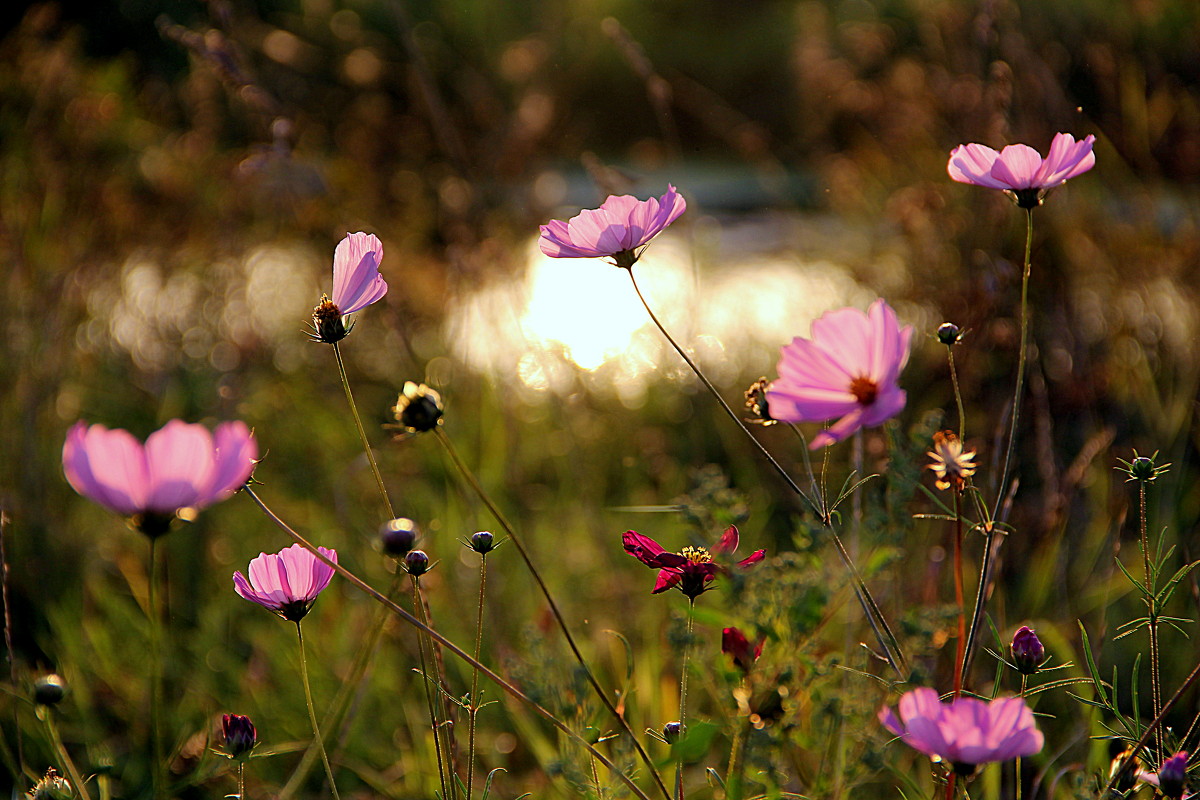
(696,555)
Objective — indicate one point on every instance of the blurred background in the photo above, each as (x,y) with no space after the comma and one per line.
(174,177)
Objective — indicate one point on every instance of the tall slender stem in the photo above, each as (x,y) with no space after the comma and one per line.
(960,656)
(511,532)
(883,632)
(312,714)
(432,687)
(377,596)
(156,674)
(241,780)
(474,708)
(683,688)
(60,750)
(362,433)
(962,416)
(1151,730)
(1152,617)
(1017,765)
(1021,360)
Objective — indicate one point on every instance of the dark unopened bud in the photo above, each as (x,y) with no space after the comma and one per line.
(1172,775)
(239,733)
(672,731)
(327,322)
(483,542)
(1142,468)
(1028,653)
(49,690)
(398,536)
(416,563)
(418,408)
(948,334)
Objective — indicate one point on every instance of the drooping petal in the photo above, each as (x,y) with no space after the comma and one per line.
(666,579)
(838,430)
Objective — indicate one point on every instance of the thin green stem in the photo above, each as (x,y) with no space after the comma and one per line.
(1152,616)
(241,780)
(683,689)
(474,708)
(511,532)
(432,686)
(733,773)
(1021,360)
(883,632)
(47,715)
(377,596)
(158,778)
(312,714)
(962,416)
(362,433)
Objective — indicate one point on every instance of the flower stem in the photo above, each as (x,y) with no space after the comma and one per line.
(1024,686)
(362,433)
(241,780)
(1152,616)
(474,707)
(377,596)
(509,531)
(47,715)
(883,632)
(156,674)
(683,687)
(960,656)
(962,416)
(1021,360)
(312,714)
(430,689)
(733,773)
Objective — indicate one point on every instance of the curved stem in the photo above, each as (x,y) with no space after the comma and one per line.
(156,674)
(378,596)
(883,632)
(312,714)
(362,433)
(509,531)
(985,569)
(1021,359)
(474,708)
(61,751)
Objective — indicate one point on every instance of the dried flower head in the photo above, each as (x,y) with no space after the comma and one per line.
(951,464)
(418,408)
(756,403)
(51,786)
(620,226)
(1019,170)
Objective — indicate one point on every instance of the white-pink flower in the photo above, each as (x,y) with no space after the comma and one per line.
(180,466)
(286,582)
(356,285)
(849,369)
(617,228)
(1020,169)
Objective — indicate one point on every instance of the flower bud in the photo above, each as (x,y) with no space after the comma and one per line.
(949,334)
(398,536)
(1172,775)
(672,731)
(1028,653)
(418,408)
(49,690)
(239,733)
(483,542)
(416,563)
(1142,468)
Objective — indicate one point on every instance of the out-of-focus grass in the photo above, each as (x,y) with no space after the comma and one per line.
(160,187)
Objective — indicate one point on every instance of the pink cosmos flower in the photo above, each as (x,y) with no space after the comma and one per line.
(965,732)
(848,369)
(692,569)
(356,285)
(286,582)
(735,645)
(180,466)
(617,228)
(1020,170)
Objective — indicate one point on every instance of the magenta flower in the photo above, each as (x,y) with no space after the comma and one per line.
(735,645)
(1020,170)
(1171,778)
(180,466)
(239,735)
(848,369)
(692,569)
(356,285)
(617,228)
(965,732)
(1028,652)
(286,582)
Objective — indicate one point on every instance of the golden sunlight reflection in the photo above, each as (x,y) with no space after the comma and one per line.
(574,321)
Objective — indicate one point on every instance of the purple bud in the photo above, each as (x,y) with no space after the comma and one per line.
(1172,774)
(240,736)
(949,334)
(1028,653)
(672,731)
(483,542)
(398,536)
(416,563)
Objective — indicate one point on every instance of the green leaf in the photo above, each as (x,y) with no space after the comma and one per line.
(1097,682)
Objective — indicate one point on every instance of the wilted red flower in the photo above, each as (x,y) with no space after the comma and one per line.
(690,570)
(735,645)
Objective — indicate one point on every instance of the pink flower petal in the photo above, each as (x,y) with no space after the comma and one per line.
(356,279)
(179,459)
(622,223)
(972,163)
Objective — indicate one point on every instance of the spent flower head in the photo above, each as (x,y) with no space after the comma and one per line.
(418,408)
(849,368)
(356,285)
(181,466)
(756,403)
(286,582)
(692,569)
(616,229)
(1019,170)
(965,732)
(51,786)
(951,464)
